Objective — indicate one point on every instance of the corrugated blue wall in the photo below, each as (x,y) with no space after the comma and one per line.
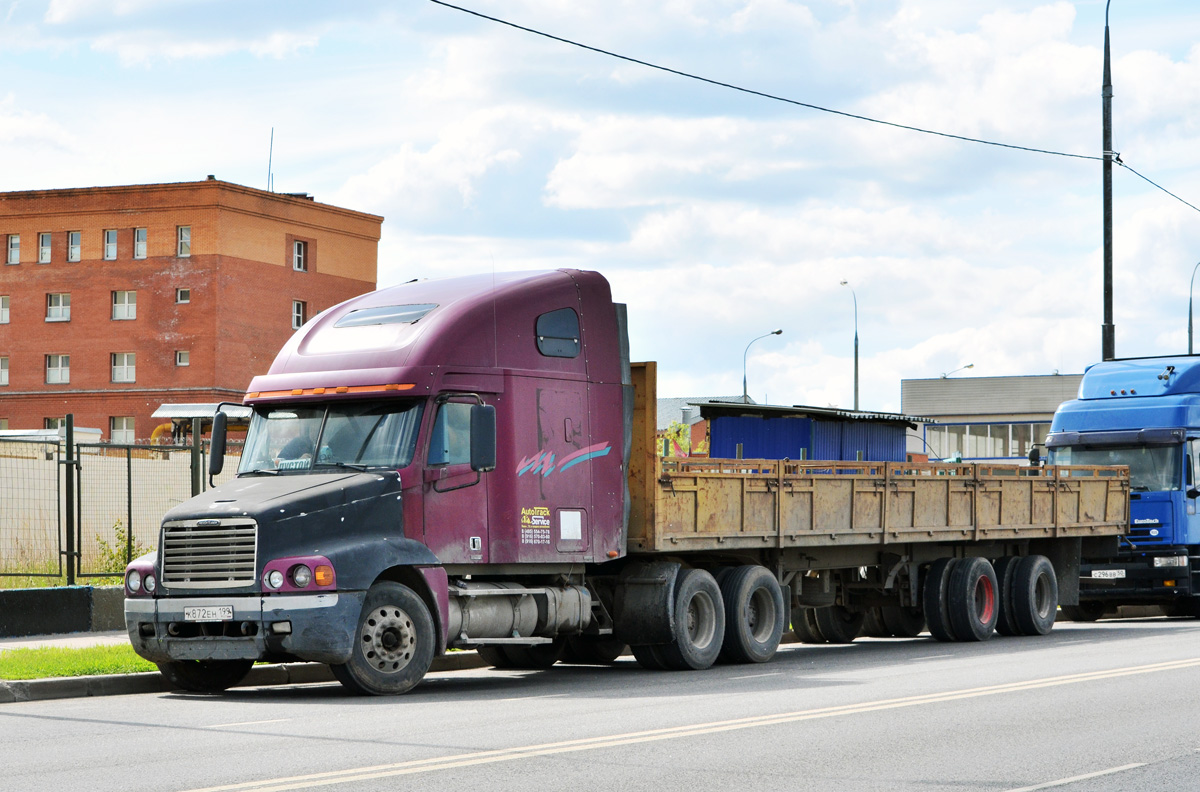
(804,438)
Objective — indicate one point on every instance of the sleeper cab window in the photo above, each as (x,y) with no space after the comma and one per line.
(558,333)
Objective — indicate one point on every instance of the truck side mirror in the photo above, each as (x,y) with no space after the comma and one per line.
(1035,457)
(216,452)
(483,437)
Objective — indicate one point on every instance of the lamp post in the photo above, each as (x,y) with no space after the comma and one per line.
(960,368)
(745,393)
(1108,333)
(1190,285)
(855,296)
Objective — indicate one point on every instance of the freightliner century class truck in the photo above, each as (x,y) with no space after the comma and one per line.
(470,463)
(1144,413)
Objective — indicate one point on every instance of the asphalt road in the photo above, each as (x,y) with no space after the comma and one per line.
(1110,706)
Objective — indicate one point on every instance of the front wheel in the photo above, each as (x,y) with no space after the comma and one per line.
(205,676)
(393,646)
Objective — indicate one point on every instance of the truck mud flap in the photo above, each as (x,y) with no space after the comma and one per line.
(643,603)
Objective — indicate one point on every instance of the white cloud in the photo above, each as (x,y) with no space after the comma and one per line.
(144,47)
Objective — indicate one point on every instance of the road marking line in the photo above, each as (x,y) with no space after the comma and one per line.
(531,698)
(1084,777)
(246,723)
(676,732)
(757,676)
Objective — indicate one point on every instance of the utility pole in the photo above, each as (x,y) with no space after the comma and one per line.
(1108,341)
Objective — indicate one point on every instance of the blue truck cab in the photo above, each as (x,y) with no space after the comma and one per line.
(1144,413)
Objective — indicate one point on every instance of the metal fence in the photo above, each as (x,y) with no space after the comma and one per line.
(108,513)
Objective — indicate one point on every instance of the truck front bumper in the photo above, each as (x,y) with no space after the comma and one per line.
(1133,582)
(313,627)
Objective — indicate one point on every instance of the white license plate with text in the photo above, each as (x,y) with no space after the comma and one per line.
(1108,574)
(208,613)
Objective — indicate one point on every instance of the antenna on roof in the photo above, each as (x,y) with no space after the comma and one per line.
(270,154)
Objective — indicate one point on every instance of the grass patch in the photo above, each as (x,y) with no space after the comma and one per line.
(40,663)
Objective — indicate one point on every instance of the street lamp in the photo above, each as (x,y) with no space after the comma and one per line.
(1190,285)
(745,394)
(855,296)
(960,368)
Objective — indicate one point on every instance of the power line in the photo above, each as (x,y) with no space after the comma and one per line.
(796,102)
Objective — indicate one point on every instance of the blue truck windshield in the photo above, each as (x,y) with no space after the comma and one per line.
(1151,468)
(355,435)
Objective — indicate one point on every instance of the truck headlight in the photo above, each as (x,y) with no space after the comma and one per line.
(275,578)
(1170,561)
(133,581)
(301,576)
(150,584)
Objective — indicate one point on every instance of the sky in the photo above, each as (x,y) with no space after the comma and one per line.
(716,215)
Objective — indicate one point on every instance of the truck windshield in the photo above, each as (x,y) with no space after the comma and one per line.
(356,435)
(1151,468)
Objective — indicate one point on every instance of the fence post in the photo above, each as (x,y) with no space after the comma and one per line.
(197,459)
(128,505)
(70,493)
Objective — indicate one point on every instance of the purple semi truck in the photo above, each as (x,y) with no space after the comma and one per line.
(470,463)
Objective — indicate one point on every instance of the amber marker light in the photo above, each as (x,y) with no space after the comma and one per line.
(323,574)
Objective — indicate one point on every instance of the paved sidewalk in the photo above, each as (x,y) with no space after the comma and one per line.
(153,682)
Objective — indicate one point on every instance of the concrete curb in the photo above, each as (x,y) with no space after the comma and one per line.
(153,682)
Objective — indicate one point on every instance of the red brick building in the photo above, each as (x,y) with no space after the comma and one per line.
(114,300)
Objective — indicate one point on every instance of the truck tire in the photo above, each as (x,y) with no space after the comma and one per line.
(205,676)
(494,656)
(804,624)
(902,622)
(971,600)
(1034,595)
(839,624)
(593,649)
(1087,612)
(754,615)
(393,645)
(934,596)
(1006,623)
(649,657)
(873,626)
(535,657)
(699,622)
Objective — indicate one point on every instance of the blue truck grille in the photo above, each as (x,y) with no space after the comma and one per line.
(1139,536)
(209,553)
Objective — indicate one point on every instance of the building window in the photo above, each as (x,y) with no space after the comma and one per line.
(120,430)
(139,243)
(73,245)
(4,309)
(44,247)
(300,256)
(14,249)
(58,371)
(4,370)
(110,245)
(54,423)
(124,304)
(184,243)
(124,367)
(3,423)
(183,358)
(58,307)
(299,314)
(183,296)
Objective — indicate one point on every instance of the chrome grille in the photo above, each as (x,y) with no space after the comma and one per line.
(209,553)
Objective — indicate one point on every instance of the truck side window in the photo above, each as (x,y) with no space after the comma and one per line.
(450,443)
(558,333)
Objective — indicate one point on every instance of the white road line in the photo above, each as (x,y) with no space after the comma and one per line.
(756,676)
(1084,777)
(531,698)
(454,761)
(246,723)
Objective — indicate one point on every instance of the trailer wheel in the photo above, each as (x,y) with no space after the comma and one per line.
(1034,595)
(804,624)
(839,624)
(1006,623)
(699,622)
(593,649)
(205,676)
(873,626)
(971,600)
(494,656)
(934,599)
(902,622)
(754,614)
(534,657)
(393,645)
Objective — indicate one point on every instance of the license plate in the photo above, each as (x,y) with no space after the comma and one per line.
(208,614)
(1108,574)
